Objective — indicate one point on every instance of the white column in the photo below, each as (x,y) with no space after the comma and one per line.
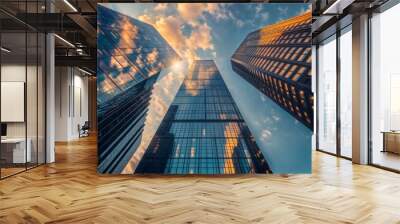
(50,98)
(314,90)
(62,103)
(360,89)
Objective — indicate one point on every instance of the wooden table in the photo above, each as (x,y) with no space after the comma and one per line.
(13,150)
(391,141)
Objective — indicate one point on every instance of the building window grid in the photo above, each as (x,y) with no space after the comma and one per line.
(295,70)
(292,95)
(270,65)
(121,60)
(209,156)
(206,111)
(116,51)
(205,129)
(217,101)
(295,73)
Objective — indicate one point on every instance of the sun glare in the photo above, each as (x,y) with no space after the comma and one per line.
(177,66)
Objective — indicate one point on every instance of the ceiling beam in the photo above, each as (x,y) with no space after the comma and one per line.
(90,31)
(79,61)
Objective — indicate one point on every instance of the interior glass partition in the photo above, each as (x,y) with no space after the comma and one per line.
(13,91)
(327,95)
(22,78)
(385,89)
(334,99)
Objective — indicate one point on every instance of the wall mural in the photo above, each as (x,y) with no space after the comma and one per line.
(204,88)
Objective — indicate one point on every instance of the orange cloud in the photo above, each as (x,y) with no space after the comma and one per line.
(152,56)
(128,33)
(161,7)
(169,26)
(107,86)
(201,37)
(191,11)
(212,8)
(146,18)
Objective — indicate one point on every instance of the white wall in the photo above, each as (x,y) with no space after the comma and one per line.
(71,102)
(61,103)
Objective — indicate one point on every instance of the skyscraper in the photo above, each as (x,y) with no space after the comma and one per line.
(203,131)
(276,59)
(130,55)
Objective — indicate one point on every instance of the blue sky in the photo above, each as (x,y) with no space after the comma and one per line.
(214,31)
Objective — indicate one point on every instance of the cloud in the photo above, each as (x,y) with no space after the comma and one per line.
(276,118)
(201,38)
(170,27)
(304,10)
(161,7)
(239,23)
(265,134)
(264,16)
(146,18)
(193,11)
(212,8)
(218,10)
(152,56)
(262,97)
(283,10)
(127,34)
(258,8)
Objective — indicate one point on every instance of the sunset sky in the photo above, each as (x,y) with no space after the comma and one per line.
(214,31)
(207,30)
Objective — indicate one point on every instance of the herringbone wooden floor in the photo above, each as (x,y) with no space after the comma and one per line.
(70,191)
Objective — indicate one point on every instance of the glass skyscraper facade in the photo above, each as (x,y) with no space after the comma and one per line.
(203,131)
(130,55)
(129,51)
(276,59)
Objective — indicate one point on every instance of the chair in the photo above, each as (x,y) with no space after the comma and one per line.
(84,130)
